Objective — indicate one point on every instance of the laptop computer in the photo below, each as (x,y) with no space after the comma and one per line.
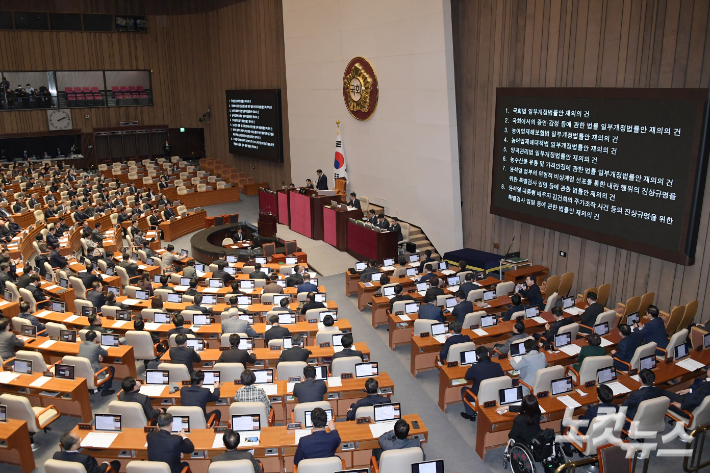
(68,336)
(601,329)
(58,306)
(107,422)
(517,349)
(633,318)
(264,376)
(387,412)
(433,466)
(468,357)
(142,295)
(276,300)
(706,340)
(411,272)
(422,286)
(64,283)
(22,366)
(388,291)
(87,311)
(3,413)
(439,329)
(184,281)
(510,395)
(376,277)
(286,318)
(450,302)
(246,300)
(291,260)
(174,297)
(216,283)
(8,296)
(322,315)
(197,344)
(567,302)
(201,319)
(158,377)
(414,258)
(681,351)
(180,423)
(647,362)
(489,296)
(246,284)
(246,423)
(320,297)
(337,340)
(488,321)
(388,262)
(200,267)
(123,315)
(232,258)
(208,299)
(562,340)
(183,253)
(365,370)
(411,307)
(211,377)
(531,312)
(116,291)
(281,282)
(606,375)
(161,318)
(109,340)
(453,281)
(309,423)
(29,331)
(157,277)
(64,371)
(246,343)
(561,386)
(260,260)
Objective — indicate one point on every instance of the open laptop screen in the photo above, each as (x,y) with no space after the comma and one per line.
(561,386)
(510,395)
(606,375)
(648,362)
(563,339)
(107,422)
(64,371)
(157,377)
(365,370)
(468,357)
(245,423)
(434,466)
(387,412)
(309,423)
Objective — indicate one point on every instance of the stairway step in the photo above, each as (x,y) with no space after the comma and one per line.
(415,238)
(421,247)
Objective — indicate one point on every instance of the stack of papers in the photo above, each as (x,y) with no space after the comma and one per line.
(690,364)
(448,272)
(48,344)
(301,433)
(334,382)
(269,389)
(150,326)
(480,332)
(289,387)
(152,390)
(8,376)
(131,301)
(539,320)
(571,350)
(569,402)
(574,310)
(404,317)
(119,323)
(44,313)
(99,439)
(71,318)
(40,381)
(180,288)
(381,428)
(211,290)
(618,388)
(440,338)
(453,289)
(387,268)
(53,286)
(104,276)
(605,342)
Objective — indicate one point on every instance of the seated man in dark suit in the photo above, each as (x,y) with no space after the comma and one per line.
(427,259)
(197,300)
(320,444)
(231,442)
(654,330)
(398,296)
(276,331)
(462,308)
(310,304)
(183,355)
(434,289)
(589,317)
(456,337)
(428,272)
(354,201)
(179,321)
(689,399)
(258,273)
(347,350)
(310,389)
(71,444)
(373,398)
(430,311)
(131,393)
(307,285)
(297,352)
(626,347)
(235,355)
(40,297)
(397,228)
(518,334)
(382,222)
(531,291)
(516,307)
(468,286)
(163,446)
(551,329)
(96,296)
(605,406)
(645,392)
(366,274)
(480,371)
(197,395)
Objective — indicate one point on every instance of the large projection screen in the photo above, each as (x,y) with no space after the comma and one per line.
(623,167)
(254,123)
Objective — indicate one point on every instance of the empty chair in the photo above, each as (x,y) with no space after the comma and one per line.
(475,295)
(588,370)
(320,465)
(675,318)
(344,365)
(602,429)
(228,372)
(505,288)
(177,373)
(487,391)
(423,326)
(646,300)
(38,363)
(551,301)
(397,461)
(474,318)
(149,467)
(232,466)
(677,338)
(53,329)
(142,343)
(552,284)
(132,415)
(37,418)
(632,305)
(566,281)
(83,369)
(456,350)
(691,309)
(649,419)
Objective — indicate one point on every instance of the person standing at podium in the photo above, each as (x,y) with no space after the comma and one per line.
(322,182)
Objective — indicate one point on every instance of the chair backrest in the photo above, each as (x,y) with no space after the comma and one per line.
(423,325)
(82,369)
(299,410)
(321,465)
(691,309)
(590,365)
(290,247)
(551,300)
(473,318)
(456,349)
(229,371)
(12,288)
(552,284)
(322,337)
(365,411)
(18,322)
(650,417)
(171,340)
(344,365)
(607,317)
(364,203)
(27,297)
(612,458)
(646,300)
(677,338)
(505,288)
(147,467)
(488,390)
(177,373)
(232,466)
(602,429)
(701,414)
(57,466)
(566,281)
(142,344)
(245,408)
(675,319)
(641,352)
(80,304)
(475,295)
(195,413)
(53,329)
(38,364)
(632,305)
(571,328)
(400,460)
(287,369)
(132,415)
(544,377)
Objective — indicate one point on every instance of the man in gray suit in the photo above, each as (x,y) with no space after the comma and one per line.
(231,442)
(95,353)
(8,340)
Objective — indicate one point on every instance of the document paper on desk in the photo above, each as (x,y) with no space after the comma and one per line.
(8,376)
(99,439)
(618,388)
(48,344)
(690,364)
(381,427)
(119,323)
(480,332)
(131,301)
(44,313)
(218,442)
(574,310)
(289,387)
(606,343)
(181,288)
(571,350)
(539,320)
(152,390)
(71,318)
(40,381)
(211,290)
(440,338)
(334,382)
(569,402)
(301,433)
(269,389)
(150,326)
(404,317)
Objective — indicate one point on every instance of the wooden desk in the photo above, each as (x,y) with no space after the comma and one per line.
(215,196)
(335,226)
(279,439)
(364,243)
(18,448)
(517,275)
(305,214)
(73,399)
(184,225)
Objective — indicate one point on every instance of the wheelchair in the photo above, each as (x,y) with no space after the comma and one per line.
(544,450)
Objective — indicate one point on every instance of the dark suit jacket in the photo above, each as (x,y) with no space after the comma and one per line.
(398,298)
(294,280)
(452,340)
(431,312)
(481,371)
(258,275)
(184,356)
(311,305)
(461,310)
(655,331)
(320,444)
(424,262)
(55,258)
(176,330)
(141,399)
(322,183)
(397,228)
(369,400)
(354,203)
(97,298)
(165,447)
(204,310)
(345,353)
(637,397)
(625,350)
(467,287)
(555,327)
(23,281)
(52,239)
(235,355)
(275,333)
(294,354)
(692,400)
(198,396)
(223,275)
(590,316)
(231,455)
(534,296)
(310,390)
(432,292)
(593,411)
(89,462)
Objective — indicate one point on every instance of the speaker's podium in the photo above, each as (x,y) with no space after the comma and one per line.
(267,224)
(335,224)
(305,213)
(368,242)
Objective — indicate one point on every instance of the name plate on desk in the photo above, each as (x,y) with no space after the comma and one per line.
(489,404)
(411,291)
(312,321)
(293,426)
(543,394)
(224,348)
(274,347)
(220,430)
(590,384)
(633,372)
(347,446)
(325,345)
(451,364)
(83,426)
(424,334)
(363,420)
(346,376)
(238,381)
(150,428)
